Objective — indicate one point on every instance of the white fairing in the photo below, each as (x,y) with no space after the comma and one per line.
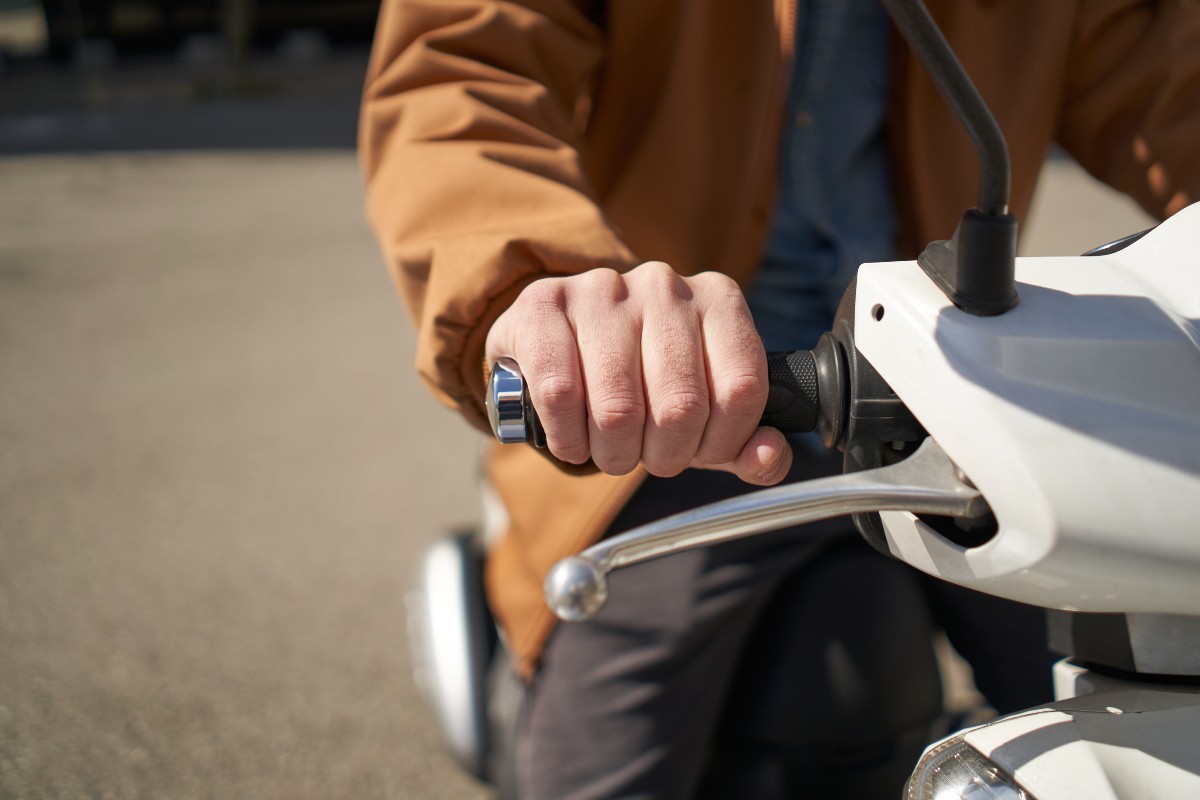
(1121,743)
(1077,415)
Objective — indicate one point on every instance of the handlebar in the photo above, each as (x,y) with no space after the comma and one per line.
(805,393)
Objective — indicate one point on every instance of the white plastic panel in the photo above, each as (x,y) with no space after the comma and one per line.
(1077,415)
(1121,744)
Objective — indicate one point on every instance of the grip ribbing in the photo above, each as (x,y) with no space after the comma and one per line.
(793,401)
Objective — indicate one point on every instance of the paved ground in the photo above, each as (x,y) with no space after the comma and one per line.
(215,473)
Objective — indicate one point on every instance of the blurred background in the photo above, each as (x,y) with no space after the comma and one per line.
(217,468)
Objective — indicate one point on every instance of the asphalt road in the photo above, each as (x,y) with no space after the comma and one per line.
(216,470)
(215,473)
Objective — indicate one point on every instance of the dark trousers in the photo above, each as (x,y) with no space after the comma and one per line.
(787,665)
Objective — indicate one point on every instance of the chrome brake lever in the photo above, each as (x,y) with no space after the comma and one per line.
(927,482)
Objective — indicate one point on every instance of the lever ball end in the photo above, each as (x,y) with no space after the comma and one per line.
(576,589)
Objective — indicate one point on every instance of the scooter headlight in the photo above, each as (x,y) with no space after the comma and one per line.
(953,770)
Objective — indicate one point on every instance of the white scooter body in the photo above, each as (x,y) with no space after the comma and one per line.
(1115,740)
(1077,416)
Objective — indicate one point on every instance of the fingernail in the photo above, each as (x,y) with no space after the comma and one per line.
(771,460)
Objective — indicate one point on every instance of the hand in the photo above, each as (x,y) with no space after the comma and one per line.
(647,366)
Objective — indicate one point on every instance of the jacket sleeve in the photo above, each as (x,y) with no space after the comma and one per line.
(1131,105)
(470,138)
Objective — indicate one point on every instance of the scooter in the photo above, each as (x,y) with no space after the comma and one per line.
(1024,427)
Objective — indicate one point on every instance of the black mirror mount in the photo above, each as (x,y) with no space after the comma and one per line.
(976,268)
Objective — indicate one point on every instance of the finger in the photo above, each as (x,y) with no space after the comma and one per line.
(608,335)
(736,368)
(536,332)
(673,371)
(765,460)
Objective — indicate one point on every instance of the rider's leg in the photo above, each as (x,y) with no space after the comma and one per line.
(629,704)
(838,689)
(625,705)
(1003,641)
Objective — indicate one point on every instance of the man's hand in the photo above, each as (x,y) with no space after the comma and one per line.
(647,366)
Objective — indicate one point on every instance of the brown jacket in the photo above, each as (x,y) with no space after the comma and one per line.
(506,141)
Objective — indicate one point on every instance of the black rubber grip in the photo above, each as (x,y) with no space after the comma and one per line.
(793,399)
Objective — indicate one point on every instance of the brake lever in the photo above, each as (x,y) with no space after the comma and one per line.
(927,482)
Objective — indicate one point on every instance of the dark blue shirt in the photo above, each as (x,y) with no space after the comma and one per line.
(834,208)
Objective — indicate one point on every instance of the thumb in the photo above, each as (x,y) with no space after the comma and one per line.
(765,460)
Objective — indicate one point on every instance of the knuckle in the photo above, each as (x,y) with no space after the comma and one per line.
(681,409)
(740,394)
(723,299)
(717,284)
(652,269)
(657,277)
(556,395)
(544,295)
(618,414)
(601,282)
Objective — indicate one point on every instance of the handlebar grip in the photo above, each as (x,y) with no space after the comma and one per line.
(793,397)
(793,394)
